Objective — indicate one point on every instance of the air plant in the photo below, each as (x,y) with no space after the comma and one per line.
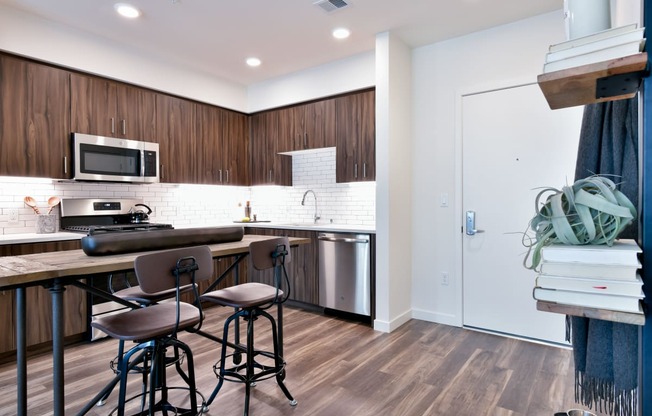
(591,211)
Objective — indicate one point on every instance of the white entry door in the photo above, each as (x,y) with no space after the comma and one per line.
(512,144)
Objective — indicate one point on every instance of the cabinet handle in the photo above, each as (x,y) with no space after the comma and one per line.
(112,125)
(305,140)
(355,170)
(161,172)
(65,164)
(220,175)
(364,170)
(124,127)
(270,175)
(227,176)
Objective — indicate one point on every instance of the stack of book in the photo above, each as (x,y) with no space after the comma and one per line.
(608,44)
(594,276)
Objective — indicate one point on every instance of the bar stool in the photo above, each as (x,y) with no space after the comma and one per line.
(154,328)
(137,295)
(250,301)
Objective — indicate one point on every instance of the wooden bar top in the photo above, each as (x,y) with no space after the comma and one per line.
(32,269)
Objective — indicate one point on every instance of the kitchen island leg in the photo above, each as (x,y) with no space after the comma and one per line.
(56,291)
(21,352)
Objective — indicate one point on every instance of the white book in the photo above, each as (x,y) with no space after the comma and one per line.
(590,300)
(606,54)
(633,36)
(594,271)
(603,34)
(622,252)
(587,285)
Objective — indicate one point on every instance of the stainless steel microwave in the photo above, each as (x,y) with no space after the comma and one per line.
(99,158)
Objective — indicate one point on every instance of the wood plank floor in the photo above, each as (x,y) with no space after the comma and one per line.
(336,367)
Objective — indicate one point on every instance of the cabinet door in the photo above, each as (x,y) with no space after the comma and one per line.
(235,149)
(178,144)
(34,119)
(355,134)
(264,128)
(367,137)
(303,269)
(208,133)
(94,106)
(289,128)
(319,124)
(136,113)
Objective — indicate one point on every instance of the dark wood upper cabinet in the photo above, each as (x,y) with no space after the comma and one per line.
(177,138)
(267,166)
(107,108)
(307,126)
(222,140)
(209,142)
(355,133)
(319,124)
(235,149)
(34,119)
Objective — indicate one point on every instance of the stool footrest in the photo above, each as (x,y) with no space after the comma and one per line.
(262,371)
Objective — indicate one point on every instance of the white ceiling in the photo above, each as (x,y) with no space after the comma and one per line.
(216,36)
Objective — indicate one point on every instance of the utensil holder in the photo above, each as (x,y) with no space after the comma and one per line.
(46,224)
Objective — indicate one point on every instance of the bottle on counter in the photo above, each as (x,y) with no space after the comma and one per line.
(247,210)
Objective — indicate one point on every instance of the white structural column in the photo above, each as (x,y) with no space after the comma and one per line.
(393,183)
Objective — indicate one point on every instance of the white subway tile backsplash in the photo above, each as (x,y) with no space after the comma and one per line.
(197,205)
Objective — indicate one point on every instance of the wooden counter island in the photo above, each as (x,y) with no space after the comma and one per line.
(55,270)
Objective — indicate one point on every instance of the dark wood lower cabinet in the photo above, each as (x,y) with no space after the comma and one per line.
(303,270)
(39,304)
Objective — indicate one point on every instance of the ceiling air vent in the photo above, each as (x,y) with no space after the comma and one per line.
(331,5)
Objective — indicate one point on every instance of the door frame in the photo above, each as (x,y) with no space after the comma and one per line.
(459,158)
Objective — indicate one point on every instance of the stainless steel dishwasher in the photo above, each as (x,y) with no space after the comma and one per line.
(345,272)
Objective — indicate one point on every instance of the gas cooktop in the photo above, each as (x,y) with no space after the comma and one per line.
(108,215)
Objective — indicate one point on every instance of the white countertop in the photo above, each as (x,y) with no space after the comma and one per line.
(38,238)
(325,227)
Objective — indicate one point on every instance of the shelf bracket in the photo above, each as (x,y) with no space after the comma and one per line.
(619,84)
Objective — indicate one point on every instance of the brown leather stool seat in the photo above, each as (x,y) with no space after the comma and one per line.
(144,299)
(154,328)
(250,301)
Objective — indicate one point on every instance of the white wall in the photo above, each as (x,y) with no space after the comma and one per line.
(441,72)
(43,40)
(337,77)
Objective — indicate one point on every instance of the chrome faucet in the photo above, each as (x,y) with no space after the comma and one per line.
(303,202)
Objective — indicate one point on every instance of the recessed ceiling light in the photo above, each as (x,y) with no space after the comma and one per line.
(341,33)
(253,61)
(127,10)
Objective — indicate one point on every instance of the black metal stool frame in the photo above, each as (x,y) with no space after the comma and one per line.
(250,314)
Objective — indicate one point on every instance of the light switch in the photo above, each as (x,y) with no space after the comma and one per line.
(443,200)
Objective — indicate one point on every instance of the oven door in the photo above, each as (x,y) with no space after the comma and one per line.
(99,158)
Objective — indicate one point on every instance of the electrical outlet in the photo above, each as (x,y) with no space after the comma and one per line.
(444,278)
(13,216)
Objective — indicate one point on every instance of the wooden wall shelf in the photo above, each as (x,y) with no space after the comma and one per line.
(618,79)
(605,315)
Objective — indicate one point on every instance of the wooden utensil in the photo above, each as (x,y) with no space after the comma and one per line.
(53,201)
(31,202)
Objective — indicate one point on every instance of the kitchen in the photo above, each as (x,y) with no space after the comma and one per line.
(438,71)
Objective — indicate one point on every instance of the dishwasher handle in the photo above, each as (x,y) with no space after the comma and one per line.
(343,239)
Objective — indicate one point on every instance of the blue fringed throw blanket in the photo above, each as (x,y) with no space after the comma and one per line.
(606,353)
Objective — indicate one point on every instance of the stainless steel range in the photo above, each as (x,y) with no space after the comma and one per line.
(107,215)
(93,215)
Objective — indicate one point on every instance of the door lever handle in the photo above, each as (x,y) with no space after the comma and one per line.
(470,224)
